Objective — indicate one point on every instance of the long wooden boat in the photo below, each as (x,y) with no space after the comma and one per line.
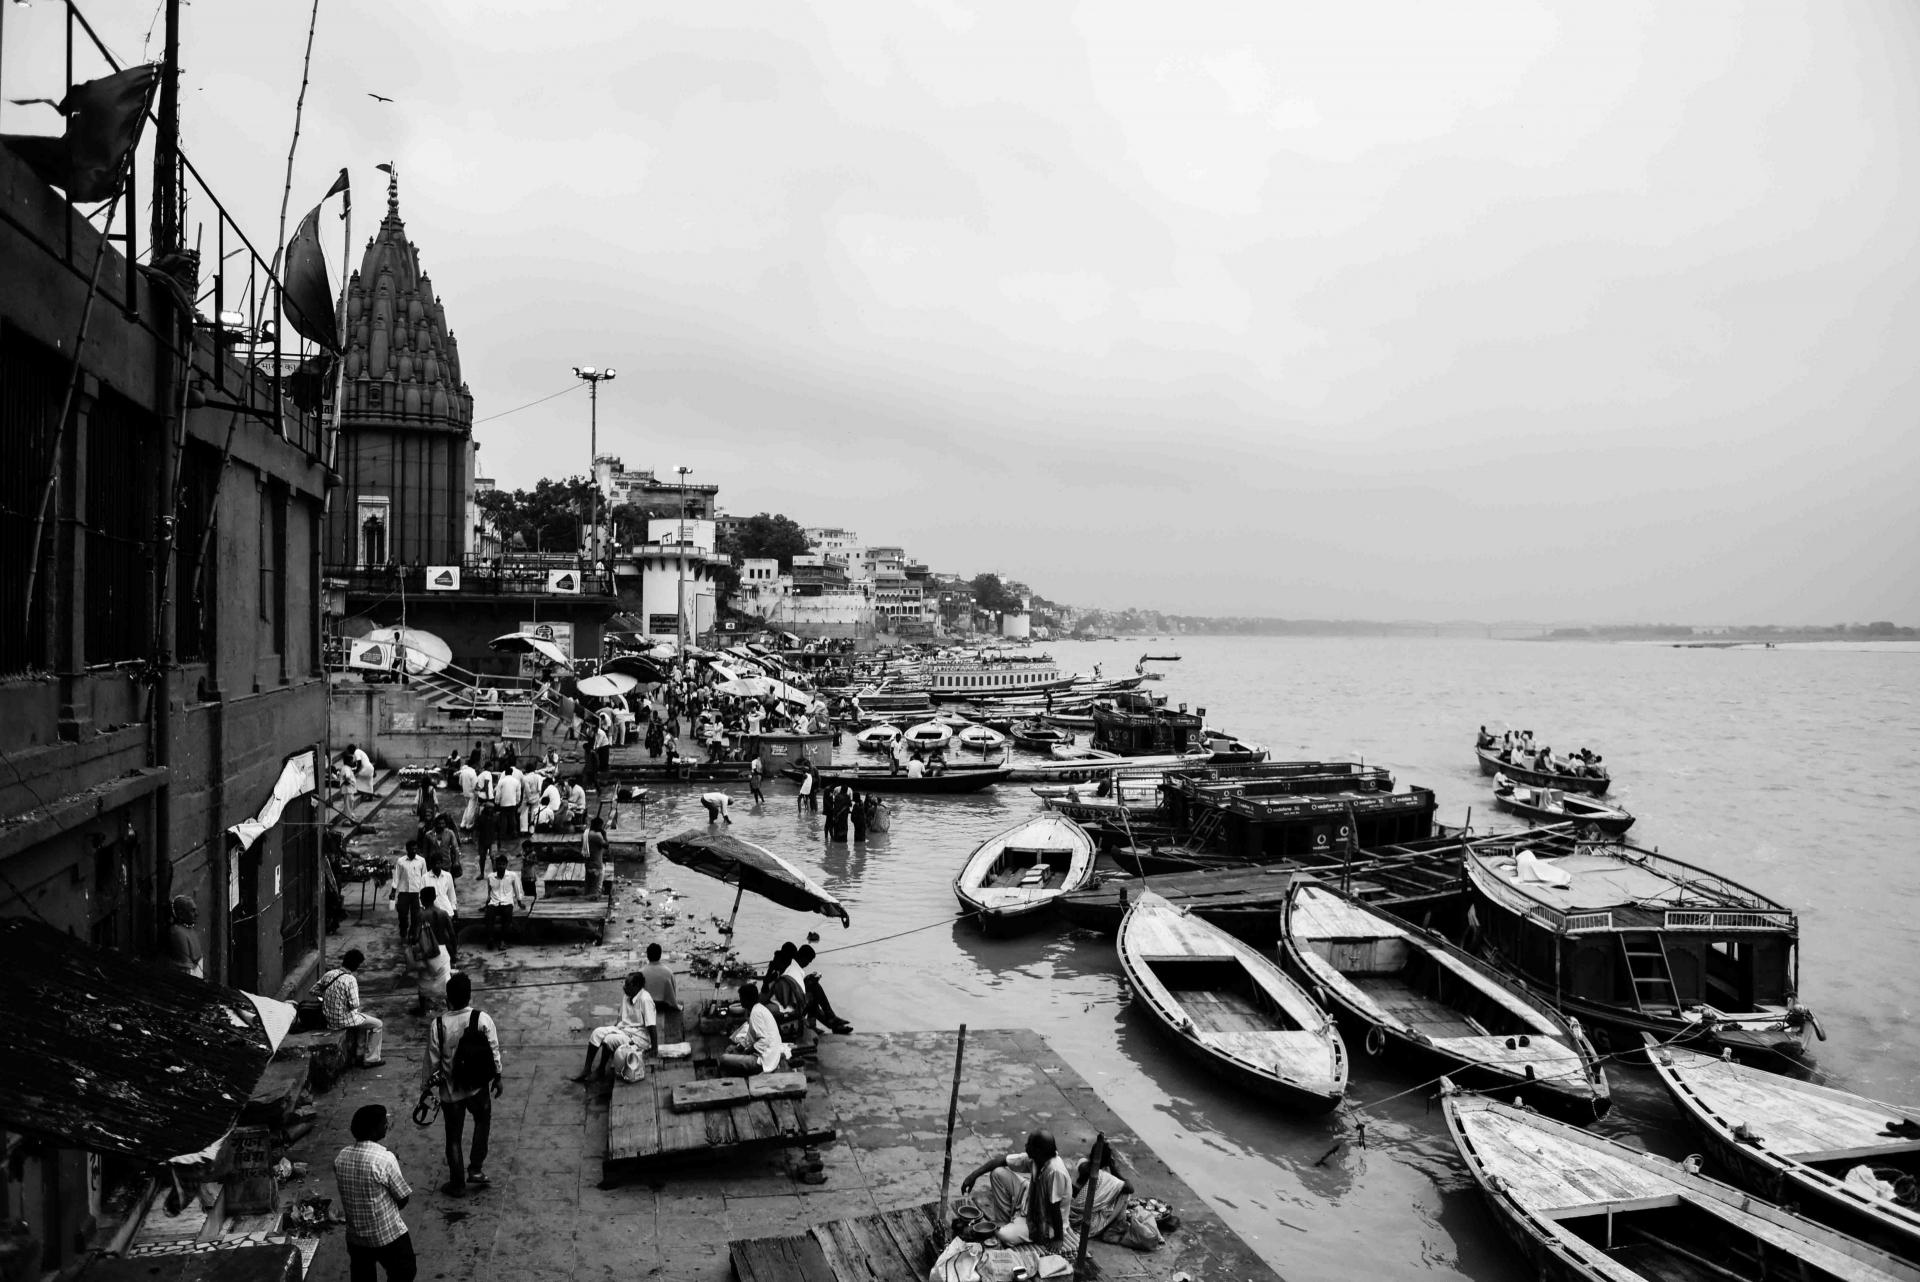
(1492,763)
(1011,879)
(1244,902)
(1411,996)
(1558,806)
(1581,1207)
(1843,1159)
(1226,1004)
(953,779)
(1633,942)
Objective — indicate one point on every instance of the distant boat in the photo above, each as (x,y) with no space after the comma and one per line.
(1584,1208)
(1416,998)
(1844,1159)
(1012,878)
(1558,806)
(1038,738)
(928,736)
(955,778)
(877,738)
(1228,1006)
(981,739)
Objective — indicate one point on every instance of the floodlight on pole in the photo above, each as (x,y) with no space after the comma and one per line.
(683,556)
(593,376)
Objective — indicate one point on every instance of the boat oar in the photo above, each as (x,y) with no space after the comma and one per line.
(953,1116)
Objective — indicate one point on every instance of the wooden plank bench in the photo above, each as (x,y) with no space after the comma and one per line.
(891,1246)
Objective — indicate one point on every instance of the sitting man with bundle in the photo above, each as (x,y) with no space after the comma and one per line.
(638,1027)
(757,1044)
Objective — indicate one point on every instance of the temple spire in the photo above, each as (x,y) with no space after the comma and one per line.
(393,188)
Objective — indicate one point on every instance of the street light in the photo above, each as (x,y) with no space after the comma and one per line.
(593,377)
(683,556)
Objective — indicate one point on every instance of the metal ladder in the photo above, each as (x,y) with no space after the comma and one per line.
(1647,965)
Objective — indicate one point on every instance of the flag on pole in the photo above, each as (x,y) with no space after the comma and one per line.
(342,188)
(104,119)
(306,297)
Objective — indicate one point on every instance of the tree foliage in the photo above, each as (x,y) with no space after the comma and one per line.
(990,594)
(768,536)
(547,518)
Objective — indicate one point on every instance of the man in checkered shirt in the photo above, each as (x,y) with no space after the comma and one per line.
(339,994)
(372,1191)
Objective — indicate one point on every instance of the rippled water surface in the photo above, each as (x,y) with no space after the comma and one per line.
(1795,770)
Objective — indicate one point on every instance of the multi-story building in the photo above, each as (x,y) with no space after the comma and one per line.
(652,496)
(832,542)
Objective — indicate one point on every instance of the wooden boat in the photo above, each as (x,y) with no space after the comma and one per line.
(1582,1207)
(1631,941)
(877,738)
(1069,720)
(928,736)
(980,739)
(1414,997)
(1244,902)
(1558,806)
(1226,1004)
(1492,763)
(1225,750)
(1012,878)
(1039,738)
(1794,1142)
(882,779)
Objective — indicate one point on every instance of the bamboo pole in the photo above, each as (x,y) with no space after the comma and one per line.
(953,1117)
(1095,1157)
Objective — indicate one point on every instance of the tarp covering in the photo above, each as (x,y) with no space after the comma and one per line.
(116,1054)
(297,778)
(755,868)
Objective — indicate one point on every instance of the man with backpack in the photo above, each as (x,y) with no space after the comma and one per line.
(463,1066)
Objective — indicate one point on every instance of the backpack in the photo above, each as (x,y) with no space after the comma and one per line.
(472,1066)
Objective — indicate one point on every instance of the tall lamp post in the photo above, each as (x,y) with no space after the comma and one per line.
(593,378)
(683,557)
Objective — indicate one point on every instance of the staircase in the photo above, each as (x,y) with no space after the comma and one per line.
(1204,829)
(1646,958)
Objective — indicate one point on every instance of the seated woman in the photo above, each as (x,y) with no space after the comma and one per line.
(757,1045)
(1109,1195)
(1027,1196)
(639,1024)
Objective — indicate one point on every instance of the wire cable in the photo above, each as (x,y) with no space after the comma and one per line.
(529,405)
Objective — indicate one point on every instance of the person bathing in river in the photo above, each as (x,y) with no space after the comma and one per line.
(1027,1196)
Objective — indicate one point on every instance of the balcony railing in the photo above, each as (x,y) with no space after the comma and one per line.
(479,576)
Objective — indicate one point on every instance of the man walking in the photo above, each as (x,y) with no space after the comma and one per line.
(372,1193)
(503,896)
(463,1064)
(409,875)
(339,994)
(506,801)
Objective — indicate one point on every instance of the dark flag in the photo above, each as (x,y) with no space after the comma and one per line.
(343,190)
(104,118)
(306,297)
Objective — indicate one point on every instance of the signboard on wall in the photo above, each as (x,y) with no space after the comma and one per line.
(561,634)
(516,722)
(564,582)
(663,625)
(377,655)
(443,578)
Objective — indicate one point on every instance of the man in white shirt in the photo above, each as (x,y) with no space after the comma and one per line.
(409,874)
(758,1048)
(576,802)
(547,814)
(503,896)
(469,781)
(717,804)
(506,799)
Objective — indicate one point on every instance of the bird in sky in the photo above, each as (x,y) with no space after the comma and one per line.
(377,98)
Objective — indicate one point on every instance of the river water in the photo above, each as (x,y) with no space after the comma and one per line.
(1794,770)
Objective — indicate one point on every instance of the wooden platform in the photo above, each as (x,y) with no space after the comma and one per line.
(644,1130)
(892,1246)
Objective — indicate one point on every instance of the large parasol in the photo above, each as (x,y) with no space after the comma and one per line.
(528,643)
(607,684)
(741,863)
(759,687)
(638,666)
(421,652)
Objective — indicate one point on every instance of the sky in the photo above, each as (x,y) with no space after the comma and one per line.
(1491,310)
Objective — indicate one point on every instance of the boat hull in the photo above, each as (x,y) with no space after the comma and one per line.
(1260,1085)
(952,780)
(1490,764)
(1002,922)
(1612,825)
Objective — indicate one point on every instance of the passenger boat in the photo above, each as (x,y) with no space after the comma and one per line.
(1558,806)
(949,680)
(1225,750)
(1135,724)
(1069,720)
(928,736)
(1631,941)
(980,739)
(954,778)
(1581,1207)
(1227,1005)
(1412,996)
(1038,738)
(879,738)
(1843,1159)
(1125,812)
(1012,878)
(1595,784)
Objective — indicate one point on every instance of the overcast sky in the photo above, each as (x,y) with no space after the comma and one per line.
(1494,310)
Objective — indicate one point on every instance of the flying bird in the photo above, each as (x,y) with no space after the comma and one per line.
(377,98)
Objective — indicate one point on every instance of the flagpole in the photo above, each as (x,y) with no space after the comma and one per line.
(326,505)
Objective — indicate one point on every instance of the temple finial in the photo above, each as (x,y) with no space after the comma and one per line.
(393,188)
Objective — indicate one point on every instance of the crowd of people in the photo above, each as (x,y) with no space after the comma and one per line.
(1517,748)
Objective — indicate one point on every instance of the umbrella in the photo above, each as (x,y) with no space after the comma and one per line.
(760,687)
(607,684)
(643,670)
(528,643)
(750,867)
(422,652)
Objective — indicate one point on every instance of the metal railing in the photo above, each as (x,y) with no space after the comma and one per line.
(485,576)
